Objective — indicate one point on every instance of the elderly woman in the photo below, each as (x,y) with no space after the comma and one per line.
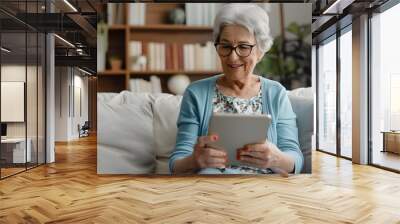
(241,36)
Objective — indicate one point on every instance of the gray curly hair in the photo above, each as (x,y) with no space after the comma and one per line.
(251,16)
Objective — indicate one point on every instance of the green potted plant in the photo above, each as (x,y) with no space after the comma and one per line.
(289,60)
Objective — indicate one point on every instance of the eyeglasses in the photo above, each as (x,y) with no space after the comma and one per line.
(242,50)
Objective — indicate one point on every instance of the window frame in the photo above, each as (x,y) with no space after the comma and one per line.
(333,37)
(378,10)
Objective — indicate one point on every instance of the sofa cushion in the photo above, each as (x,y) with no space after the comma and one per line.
(306,92)
(125,137)
(165,115)
(105,97)
(127,97)
(303,106)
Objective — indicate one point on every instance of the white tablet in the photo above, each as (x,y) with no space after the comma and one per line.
(237,130)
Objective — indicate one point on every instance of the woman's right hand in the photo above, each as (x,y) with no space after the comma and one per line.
(206,157)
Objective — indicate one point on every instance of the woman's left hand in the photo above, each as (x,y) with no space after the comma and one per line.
(265,155)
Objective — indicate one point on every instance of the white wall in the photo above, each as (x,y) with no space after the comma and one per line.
(80,83)
(68,83)
(62,81)
(12,73)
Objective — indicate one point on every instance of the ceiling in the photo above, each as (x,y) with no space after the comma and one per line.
(76,24)
(20,54)
(330,15)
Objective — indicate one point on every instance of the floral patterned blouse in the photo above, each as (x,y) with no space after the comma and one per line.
(231,104)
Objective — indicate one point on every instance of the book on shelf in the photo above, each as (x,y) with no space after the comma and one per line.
(174,56)
(102,45)
(160,56)
(136,56)
(151,56)
(138,85)
(201,14)
(115,13)
(137,13)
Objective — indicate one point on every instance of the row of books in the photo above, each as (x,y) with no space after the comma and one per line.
(197,14)
(144,86)
(137,13)
(200,14)
(173,56)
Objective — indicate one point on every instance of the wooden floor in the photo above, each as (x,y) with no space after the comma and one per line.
(70,191)
(10,171)
(387,159)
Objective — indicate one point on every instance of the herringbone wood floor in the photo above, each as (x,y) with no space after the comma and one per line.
(70,191)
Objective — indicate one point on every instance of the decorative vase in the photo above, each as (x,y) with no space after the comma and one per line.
(178,83)
(176,16)
(115,64)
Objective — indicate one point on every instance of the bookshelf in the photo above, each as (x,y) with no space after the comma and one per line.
(170,27)
(192,41)
(172,72)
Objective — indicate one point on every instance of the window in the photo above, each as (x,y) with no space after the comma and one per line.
(385,85)
(327,96)
(346,93)
(22,78)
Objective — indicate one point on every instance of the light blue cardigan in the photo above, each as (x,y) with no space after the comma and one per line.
(196,110)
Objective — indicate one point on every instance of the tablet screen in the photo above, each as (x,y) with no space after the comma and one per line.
(237,130)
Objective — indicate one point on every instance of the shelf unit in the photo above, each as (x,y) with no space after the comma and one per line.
(156,29)
(172,72)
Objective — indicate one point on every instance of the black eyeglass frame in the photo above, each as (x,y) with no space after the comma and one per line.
(234,49)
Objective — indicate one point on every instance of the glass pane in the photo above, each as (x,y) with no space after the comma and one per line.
(31,100)
(13,87)
(32,88)
(23,88)
(41,99)
(327,97)
(385,89)
(346,94)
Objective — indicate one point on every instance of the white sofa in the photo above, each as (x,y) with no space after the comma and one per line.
(137,131)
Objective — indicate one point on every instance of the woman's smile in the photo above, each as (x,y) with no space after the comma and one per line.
(235,66)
